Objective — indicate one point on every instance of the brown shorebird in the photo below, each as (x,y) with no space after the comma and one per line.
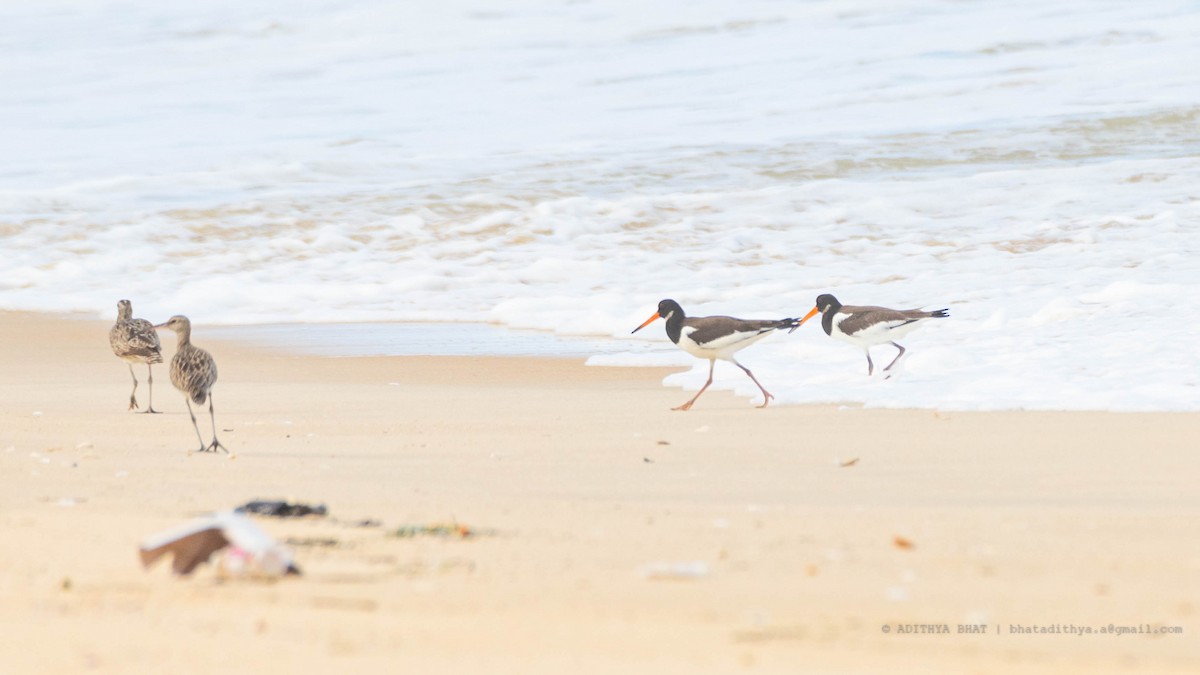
(194,372)
(869,326)
(134,341)
(715,337)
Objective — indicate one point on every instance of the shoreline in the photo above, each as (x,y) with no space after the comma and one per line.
(484,340)
(621,536)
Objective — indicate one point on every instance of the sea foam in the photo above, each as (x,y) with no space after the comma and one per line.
(563,166)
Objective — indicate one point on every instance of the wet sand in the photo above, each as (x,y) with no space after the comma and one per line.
(614,534)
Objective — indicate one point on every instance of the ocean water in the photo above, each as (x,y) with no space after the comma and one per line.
(564,165)
(423,339)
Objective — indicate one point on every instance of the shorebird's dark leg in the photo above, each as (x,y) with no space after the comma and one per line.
(133,394)
(870,364)
(766,394)
(150,378)
(687,406)
(889,366)
(196,426)
(215,444)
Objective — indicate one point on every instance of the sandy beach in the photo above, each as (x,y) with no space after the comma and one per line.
(613,534)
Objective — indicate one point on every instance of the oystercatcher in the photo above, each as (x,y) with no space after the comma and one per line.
(715,337)
(869,326)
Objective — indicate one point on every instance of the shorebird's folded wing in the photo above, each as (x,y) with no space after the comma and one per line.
(872,320)
(722,332)
(141,335)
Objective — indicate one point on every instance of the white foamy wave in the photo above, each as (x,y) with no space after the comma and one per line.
(563,166)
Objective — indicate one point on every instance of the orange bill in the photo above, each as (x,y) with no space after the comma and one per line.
(647,322)
(809,315)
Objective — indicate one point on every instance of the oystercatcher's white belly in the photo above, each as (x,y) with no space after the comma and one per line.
(721,348)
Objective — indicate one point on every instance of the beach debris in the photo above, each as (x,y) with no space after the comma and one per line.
(849,462)
(364,522)
(444,530)
(676,571)
(312,542)
(902,543)
(278,508)
(664,443)
(647,460)
(245,549)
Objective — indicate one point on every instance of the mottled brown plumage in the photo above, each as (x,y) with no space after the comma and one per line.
(134,341)
(193,372)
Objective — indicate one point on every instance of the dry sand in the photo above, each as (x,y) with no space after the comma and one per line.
(617,536)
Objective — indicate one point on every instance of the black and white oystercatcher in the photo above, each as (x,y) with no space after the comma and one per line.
(869,326)
(715,337)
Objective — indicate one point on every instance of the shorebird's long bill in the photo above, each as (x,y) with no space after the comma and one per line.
(647,323)
(809,315)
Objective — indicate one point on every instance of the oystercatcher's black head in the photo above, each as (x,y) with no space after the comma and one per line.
(666,308)
(825,303)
